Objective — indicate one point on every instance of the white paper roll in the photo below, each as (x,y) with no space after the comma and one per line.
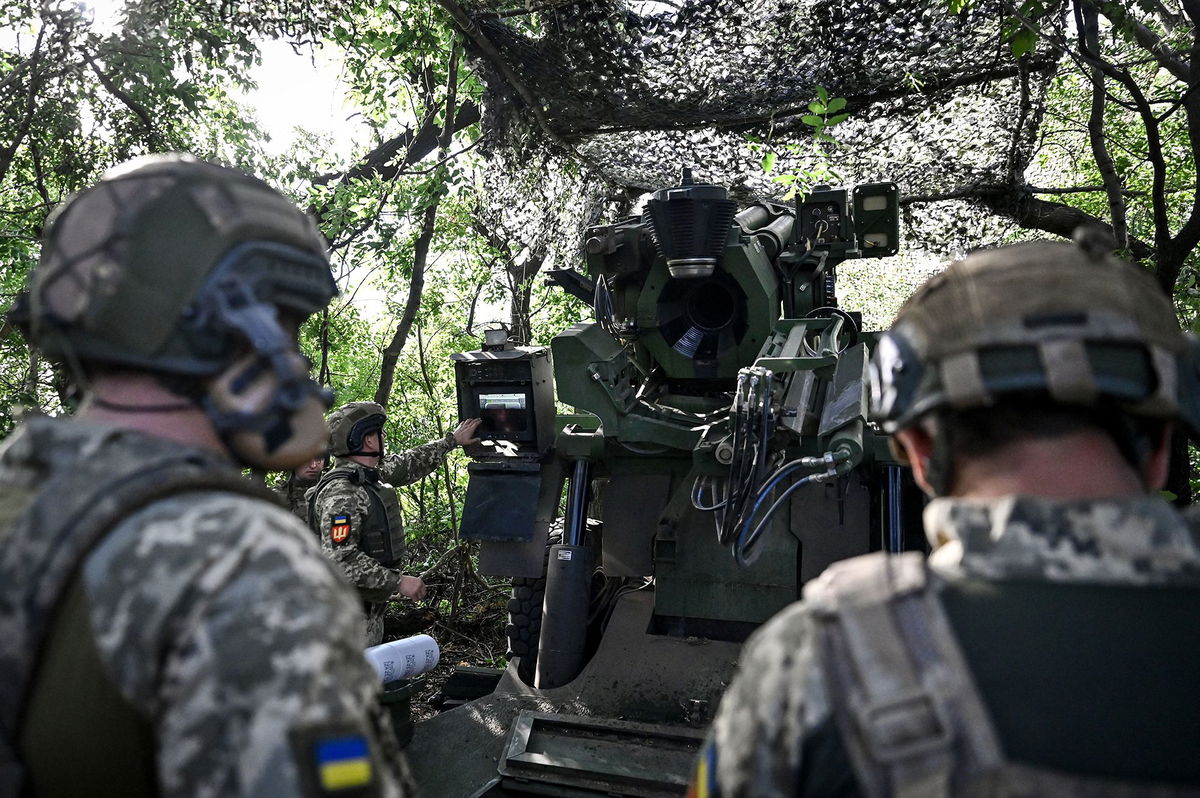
(404,659)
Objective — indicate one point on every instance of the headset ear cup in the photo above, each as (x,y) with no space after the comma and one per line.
(248,392)
(307,440)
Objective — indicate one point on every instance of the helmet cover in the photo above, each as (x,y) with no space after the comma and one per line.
(350,424)
(176,266)
(1066,319)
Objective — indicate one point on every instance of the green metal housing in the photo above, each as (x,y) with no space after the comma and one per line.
(706,373)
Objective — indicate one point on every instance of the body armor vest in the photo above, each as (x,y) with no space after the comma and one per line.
(906,705)
(382,535)
(75,504)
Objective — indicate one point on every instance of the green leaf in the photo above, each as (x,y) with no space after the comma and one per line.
(768,162)
(816,107)
(833,120)
(1023,42)
(823,94)
(813,121)
(836,104)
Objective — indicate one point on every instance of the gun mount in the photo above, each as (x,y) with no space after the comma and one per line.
(721,458)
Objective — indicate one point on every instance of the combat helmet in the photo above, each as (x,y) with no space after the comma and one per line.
(198,272)
(1067,320)
(350,424)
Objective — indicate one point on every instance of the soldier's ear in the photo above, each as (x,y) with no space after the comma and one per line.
(917,445)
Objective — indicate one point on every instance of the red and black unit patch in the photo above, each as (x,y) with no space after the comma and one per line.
(339,528)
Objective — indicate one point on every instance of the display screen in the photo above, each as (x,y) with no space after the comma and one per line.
(504,412)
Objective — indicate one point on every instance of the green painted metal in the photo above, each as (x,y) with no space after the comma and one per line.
(652,380)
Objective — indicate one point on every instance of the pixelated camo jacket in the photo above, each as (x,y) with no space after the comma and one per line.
(218,619)
(779,696)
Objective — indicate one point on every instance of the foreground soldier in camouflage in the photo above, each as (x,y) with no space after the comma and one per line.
(292,489)
(355,510)
(1049,648)
(167,628)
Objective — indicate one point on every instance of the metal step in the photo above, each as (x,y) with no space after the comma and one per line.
(573,755)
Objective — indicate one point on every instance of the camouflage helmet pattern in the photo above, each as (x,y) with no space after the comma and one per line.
(350,424)
(126,263)
(1066,319)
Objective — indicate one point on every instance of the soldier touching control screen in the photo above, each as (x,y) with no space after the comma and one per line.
(355,510)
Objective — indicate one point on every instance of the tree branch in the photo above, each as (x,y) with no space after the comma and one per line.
(1164,56)
(416,286)
(1189,233)
(8,153)
(126,99)
(381,161)
(1089,41)
(1018,203)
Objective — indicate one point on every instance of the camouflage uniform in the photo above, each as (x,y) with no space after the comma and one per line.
(167,630)
(376,583)
(291,493)
(767,724)
(216,619)
(1047,646)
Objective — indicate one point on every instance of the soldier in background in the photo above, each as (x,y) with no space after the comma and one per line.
(1049,646)
(292,488)
(355,510)
(167,628)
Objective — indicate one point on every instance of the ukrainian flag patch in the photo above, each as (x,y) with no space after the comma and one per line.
(339,528)
(704,777)
(343,763)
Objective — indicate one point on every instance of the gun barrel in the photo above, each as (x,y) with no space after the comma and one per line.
(771,225)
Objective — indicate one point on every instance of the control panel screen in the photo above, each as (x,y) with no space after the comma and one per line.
(504,413)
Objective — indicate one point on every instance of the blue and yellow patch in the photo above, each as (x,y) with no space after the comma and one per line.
(704,777)
(339,528)
(343,763)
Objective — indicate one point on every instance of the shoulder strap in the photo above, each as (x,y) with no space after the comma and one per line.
(905,703)
(72,511)
(354,477)
(904,699)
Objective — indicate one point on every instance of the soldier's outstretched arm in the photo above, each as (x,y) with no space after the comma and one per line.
(260,687)
(341,510)
(402,468)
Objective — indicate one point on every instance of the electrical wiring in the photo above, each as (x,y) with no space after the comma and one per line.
(747,538)
(698,485)
(753,421)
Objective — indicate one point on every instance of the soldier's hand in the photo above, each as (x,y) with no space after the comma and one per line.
(464,433)
(411,587)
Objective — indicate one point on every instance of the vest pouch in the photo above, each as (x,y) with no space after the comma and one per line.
(383,536)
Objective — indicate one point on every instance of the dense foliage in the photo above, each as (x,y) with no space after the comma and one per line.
(497,134)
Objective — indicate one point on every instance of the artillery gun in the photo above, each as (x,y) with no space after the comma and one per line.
(721,458)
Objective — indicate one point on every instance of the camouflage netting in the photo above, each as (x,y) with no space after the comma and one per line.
(589,104)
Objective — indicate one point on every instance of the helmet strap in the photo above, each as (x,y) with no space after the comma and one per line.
(120,407)
(273,356)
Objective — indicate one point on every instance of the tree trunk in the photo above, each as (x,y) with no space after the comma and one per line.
(519,316)
(387,366)
(416,285)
